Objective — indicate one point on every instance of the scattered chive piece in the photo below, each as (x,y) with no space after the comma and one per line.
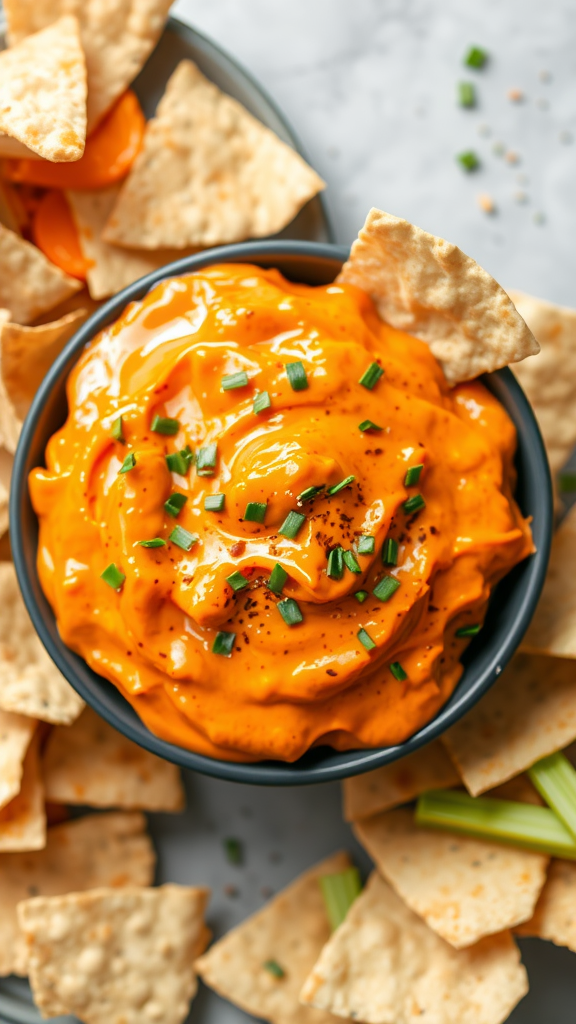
(361,596)
(182,538)
(368,425)
(262,401)
(366,544)
(335,568)
(273,967)
(175,503)
(468,160)
(206,460)
(278,578)
(567,482)
(340,487)
(339,892)
(237,581)
(156,542)
(350,562)
(309,492)
(128,464)
(413,476)
(555,779)
(297,376)
(390,552)
(180,462)
(371,376)
(366,640)
(468,630)
(292,525)
(233,847)
(398,672)
(476,57)
(290,611)
(113,577)
(414,504)
(117,431)
(214,502)
(255,511)
(165,425)
(235,380)
(223,643)
(466,94)
(387,586)
(504,821)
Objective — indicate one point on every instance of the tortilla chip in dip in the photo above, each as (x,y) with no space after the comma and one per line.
(397,783)
(553,628)
(29,283)
(385,966)
(23,820)
(555,915)
(430,288)
(16,732)
(208,173)
(288,933)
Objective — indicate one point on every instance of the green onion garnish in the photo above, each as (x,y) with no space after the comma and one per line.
(339,892)
(468,630)
(350,562)
(180,462)
(567,482)
(466,94)
(233,847)
(261,401)
(117,431)
(113,577)
(175,503)
(476,57)
(335,569)
(297,376)
(237,581)
(224,643)
(235,380)
(290,611)
(182,538)
(273,967)
(468,160)
(206,460)
(292,525)
(255,511)
(156,542)
(128,464)
(309,492)
(413,475)
(361,596)
(165,425)
(340,487)
(278,578)
(366,640)
(555,779)
(368,425)
(371,376)
(387,586)
(366,544)
(214,502)
(414,504)
(390,552)
(503,821)
(398,672)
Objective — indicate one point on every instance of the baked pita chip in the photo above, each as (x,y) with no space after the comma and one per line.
(208,173)
(385,966)
(553,628)
(290,930)
(430,288)
(30,683)
(43,92)
(99,850)
(114,956)
(23,820)
(90,763)
(397,783)
(555,915)
(16,732)
(29,283)
(528,713)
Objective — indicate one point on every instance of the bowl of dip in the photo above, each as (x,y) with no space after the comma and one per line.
(280,548)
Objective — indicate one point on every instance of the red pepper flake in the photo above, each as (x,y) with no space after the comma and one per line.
(238,549)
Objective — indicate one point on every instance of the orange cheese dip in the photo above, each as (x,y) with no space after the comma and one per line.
(377,650)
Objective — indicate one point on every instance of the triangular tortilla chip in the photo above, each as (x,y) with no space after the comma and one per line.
(528,713)
(142,944)
(290,931)
(43,92)
(30,683)
(16,732)
(463,888)
(430,288)
(208,173)
(6,462)
(4,517)
(385,966)
(399,782)
(98,850)
(23,820)
(29,283)
(555,915)
(90,763)
(553,628)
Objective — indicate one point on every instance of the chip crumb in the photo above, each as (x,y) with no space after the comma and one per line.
(498,149)
(486,203)
(545,76)
(520,196)
(231,890)
(512,157)
(539,217)
(516,95)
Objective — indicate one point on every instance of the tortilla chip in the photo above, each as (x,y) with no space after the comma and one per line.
(23,820)
(16,732)
(117,39)
(4,517)
(553,628)
(90,763)
(98,850)
(80,300)
(6,463)
(384,966)
(29,283)
(291,930)
(397,783)
(30,683)
(43,92)
(430,288)
(113,956)
(555,915)
(528,713)
(208,173)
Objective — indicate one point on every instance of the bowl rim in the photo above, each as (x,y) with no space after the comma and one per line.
(336,765)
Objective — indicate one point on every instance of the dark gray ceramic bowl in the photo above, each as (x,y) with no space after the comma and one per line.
(511,606)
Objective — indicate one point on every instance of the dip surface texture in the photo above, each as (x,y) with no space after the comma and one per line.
(282,688)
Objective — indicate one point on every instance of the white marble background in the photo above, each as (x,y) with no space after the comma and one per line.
(370,87)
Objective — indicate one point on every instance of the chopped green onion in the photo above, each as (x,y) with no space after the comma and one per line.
(233,847)
(278,578)
(335,568)
(182,538)
(371,376)
(567,482)
(387,586)
(413,476)
(175,503)
(128,464)
(468,630)
(361,596)
(180,462)
(224,643)
(255,511)
(414,504)
(273,967)
(368,425)
(468,160)
(156,542)
(214,502)
(466,94)
(366,640)
(340,487)
(339,892)
(206,460)
(476,57)
(350,562)
(237,581)
(390,552)
(113,577)
(261,402)
(165,425)
(117,431)
(297,376)
(398,672)
(309,492)
(503,821)
(555,779)
(292,525)
(235,380)
(290,611)
(366,544)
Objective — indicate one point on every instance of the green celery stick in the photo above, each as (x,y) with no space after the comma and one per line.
(339,892)
(555,780)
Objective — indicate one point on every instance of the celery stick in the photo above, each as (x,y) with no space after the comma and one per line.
(555,780)
(502,821)
(339,892)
